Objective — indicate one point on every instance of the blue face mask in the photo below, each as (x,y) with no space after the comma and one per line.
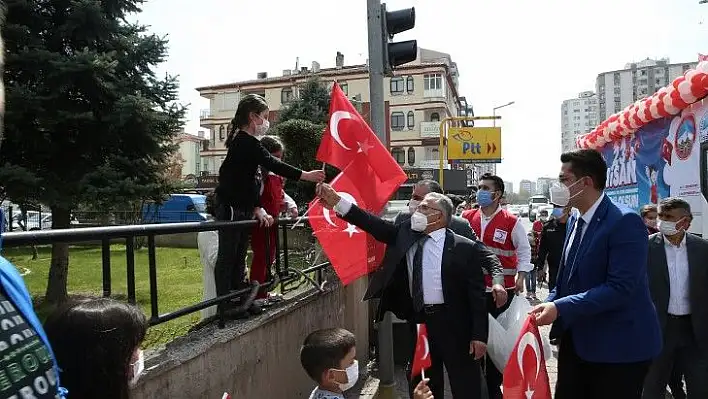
(557,213)
(484,198)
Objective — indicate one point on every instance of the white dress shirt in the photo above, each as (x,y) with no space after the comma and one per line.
(518,237)
(587,218)
(432,261)
(677,262)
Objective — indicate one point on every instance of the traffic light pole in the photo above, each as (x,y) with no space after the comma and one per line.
(387,384)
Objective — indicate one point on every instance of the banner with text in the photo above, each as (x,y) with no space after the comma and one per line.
(661,159)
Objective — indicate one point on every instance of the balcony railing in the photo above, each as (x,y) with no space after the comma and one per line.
(431,164)
(205,114)
(429,129)
(434,93)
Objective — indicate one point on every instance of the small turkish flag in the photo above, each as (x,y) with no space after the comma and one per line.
(421,358)
(525,375)
(702,57)
(347,135)
(226,396)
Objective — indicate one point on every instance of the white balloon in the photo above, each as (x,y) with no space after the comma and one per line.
(641,113)
(671,109)
(684,88)
(654,111)
(600,142)
(703,66)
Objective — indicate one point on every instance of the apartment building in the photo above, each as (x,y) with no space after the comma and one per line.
(527,186)
(618,89)
(417,98)
(543,184)
(578,116)
(190,147)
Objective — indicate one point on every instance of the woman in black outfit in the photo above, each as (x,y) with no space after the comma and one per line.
(238,192)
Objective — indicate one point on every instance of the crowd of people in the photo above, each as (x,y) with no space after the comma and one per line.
(626,311)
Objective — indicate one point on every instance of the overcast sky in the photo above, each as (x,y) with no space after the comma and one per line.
(536,53)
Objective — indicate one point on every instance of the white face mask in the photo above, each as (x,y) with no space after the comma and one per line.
(413,205)
(560,194)
(667,228)
(138,368)
(262,128)
(418,222)
(352,376)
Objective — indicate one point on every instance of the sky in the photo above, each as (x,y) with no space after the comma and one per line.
(535,53)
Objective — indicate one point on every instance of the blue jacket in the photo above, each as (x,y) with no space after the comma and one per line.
(605,303)
(17,292)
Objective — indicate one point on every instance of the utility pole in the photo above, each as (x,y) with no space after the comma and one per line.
(383,58)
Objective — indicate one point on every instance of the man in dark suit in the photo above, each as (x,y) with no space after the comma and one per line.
(430,275)
(600,307)
(459,226)
(678,277)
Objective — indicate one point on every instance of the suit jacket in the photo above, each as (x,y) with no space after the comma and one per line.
(603,299)
(462,279)
(697,249)
(461,227)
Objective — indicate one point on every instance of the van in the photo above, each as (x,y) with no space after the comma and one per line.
(177,208)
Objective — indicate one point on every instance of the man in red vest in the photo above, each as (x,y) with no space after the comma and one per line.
(502,233)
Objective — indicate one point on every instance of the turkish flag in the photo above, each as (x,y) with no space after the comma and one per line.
(702,57)
(352,252)
(226,396)
(347,135)
(421,358)
(525,375)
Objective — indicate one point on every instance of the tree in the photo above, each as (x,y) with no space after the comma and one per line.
(87,119)
(301,139)
(300,126)
(311,105)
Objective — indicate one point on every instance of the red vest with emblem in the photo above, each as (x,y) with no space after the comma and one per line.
(497,237)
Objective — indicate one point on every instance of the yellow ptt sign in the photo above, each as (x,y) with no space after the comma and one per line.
(474,144)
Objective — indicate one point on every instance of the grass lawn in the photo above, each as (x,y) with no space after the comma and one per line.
(179,281)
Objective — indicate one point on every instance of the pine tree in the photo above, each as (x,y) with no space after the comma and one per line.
(87,119)
(312,104)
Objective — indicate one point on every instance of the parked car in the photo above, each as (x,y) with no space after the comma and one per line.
(177,208)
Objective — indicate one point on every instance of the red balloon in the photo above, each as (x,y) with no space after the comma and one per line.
(677,101)
(637,122)
(661,109)
(678,81)
(698,90)
(697,79)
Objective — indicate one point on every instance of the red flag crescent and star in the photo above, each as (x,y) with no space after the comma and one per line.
(421,358)
(525,375)
(369,177)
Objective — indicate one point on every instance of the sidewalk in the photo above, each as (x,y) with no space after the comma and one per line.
(551,364)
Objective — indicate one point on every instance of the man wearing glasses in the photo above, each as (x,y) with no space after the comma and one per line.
(430,275)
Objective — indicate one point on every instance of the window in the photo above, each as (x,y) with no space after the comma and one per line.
(222,133)
(617,78)
(397,85)
(398,121)
(411,156)
(399,155)
(435,117)
(410,85)
(432,82)
(411,120)
(286,95)
(345,88)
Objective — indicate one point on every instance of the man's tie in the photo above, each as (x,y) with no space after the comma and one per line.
(573,252)
(417,283)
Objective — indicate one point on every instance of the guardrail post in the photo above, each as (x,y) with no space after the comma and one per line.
(286,265)
(152,266)
(130,267)
(106,266)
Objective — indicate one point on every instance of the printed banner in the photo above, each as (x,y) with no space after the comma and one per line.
(661,159)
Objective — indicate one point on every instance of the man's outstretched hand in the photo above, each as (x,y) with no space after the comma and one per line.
(327,195)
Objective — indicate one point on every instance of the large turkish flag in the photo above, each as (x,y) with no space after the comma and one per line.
(525,375)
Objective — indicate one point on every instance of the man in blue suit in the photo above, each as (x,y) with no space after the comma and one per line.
(603,317)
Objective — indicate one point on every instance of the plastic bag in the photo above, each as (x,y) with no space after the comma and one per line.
(511,321)
(499,346)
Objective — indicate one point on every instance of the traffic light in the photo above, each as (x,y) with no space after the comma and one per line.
(397,53)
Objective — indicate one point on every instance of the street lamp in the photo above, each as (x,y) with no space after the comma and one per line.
(494,110)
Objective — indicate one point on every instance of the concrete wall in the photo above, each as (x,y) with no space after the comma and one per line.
(257,358)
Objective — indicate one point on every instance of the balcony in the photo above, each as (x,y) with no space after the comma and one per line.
(434,93)
(205,114)
(431,164)
(429,129)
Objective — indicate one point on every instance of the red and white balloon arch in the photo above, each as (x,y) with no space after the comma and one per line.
(668,101)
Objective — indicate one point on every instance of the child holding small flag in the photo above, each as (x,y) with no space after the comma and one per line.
(329,358)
